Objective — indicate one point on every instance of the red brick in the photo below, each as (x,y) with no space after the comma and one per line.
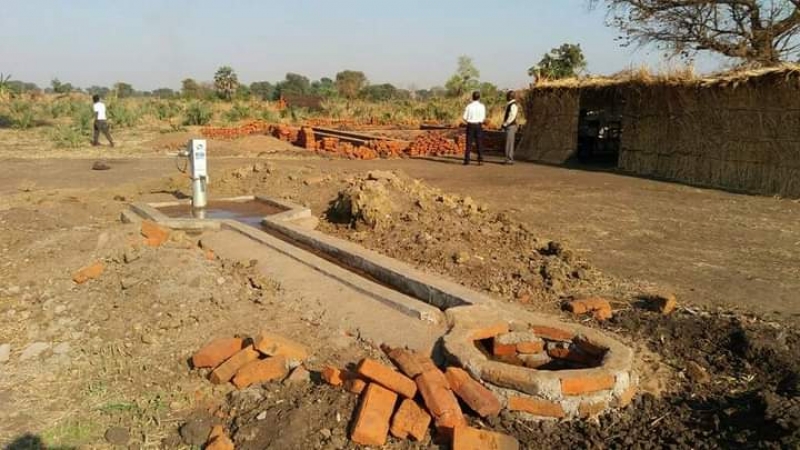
(410,421)
(216,431)
(440,400)
(499,349)
(553,334)
(591,409)
(355,385)
(467,438)
(543,408)
(603,314)
(586,384)
(228,369)
(271,344)
(210,256)
(584,305)
(155,235)
(409,362)
(474,394)
(261,371)
(333,376)
(372,420)
(489,332)
(216,352)
(529,348)
(387,377)
(218,440)
(664,303)
(89,273)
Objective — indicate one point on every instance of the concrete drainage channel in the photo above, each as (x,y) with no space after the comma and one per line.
(541,367)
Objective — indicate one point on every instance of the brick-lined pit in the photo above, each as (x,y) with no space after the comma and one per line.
(540,367)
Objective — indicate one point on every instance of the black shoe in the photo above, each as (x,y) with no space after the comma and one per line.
(465,163)
(480,163)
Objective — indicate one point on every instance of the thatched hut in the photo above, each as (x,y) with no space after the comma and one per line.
(739,131)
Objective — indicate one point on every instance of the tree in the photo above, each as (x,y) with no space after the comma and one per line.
(262,90)
(59,87)
(164,93)
(757,32)
(350,82)
(325,87)
(226,82)
(489,91)
(123,90)
(98,90)
(465,79)
(190,88)
(563,62)
(294,84)
(380,92)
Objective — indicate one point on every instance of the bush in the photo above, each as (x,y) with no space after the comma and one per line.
(68,136)
(239,111)
(167,110)
(122,115)
(197,113)
(21,114)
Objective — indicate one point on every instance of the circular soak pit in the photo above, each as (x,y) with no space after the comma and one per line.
(540,367)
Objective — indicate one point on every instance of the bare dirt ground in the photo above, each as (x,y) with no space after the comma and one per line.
(112,352)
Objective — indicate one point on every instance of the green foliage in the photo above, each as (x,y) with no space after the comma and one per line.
(197,113)
(191,89)
(123,115)
(262,90)
(59,87)
(68,136)
(563,62)
(20,87)
(465,79)
(166,110)
(123,90)
(5,89)
(98,90)
(269,115)
(239,111)
(324,87)
(294,84)
(22,114)
(489,92)
(380,92)
(350,82)
(226,82)
(164,93)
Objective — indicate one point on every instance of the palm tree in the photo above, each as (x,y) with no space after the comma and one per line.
(5,89)
(226,82)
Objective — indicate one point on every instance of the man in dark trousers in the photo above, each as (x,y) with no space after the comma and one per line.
(510,125)
(100,121)
(474,116)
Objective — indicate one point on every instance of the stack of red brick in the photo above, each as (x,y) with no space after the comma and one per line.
(248,129)
(406,402)
(433,144)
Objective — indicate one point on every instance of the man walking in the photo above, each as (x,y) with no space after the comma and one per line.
(510,125)
(474,116)
(100,121)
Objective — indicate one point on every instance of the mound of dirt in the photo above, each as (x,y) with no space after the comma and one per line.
(454,236)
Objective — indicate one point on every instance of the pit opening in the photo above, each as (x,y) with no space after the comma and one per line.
(525,349)
(249,212)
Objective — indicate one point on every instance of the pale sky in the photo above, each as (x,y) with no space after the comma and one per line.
(157,43)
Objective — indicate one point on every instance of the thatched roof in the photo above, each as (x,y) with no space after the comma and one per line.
(683,77)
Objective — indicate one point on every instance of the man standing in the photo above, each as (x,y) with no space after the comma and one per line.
(100,121)
(474,115)
(510,125)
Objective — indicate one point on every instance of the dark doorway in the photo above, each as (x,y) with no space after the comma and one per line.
(599,128)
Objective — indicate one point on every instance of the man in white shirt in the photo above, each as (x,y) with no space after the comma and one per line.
(510,125)
(474,116)
(100,121)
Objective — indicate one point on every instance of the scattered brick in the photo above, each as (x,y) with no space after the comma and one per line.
(441,402)
(355,385)
(586,384)
(489,332)
(591,409)
(155,235)
(529,348)
(228,369)
(274,345)
(218,440)
(585,305)
(333,376)
(601,315)
(499,349)
(372,420)
(409,362)
(387,377)
(216,352)
(410,421)
(553,334)
(664,303)
(261,371)
(89,273)
(468,438)
(298,376)
(474,394)
(210,256)
(543,408)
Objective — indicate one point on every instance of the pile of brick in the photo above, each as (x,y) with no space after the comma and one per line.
(433,144)
(388,149)
(406,402)
(555,350)
(306,138)
(229,133)
(598,308)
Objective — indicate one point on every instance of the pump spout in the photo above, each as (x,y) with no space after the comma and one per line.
(199,192)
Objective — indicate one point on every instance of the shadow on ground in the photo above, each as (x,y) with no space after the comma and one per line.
(32,442)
